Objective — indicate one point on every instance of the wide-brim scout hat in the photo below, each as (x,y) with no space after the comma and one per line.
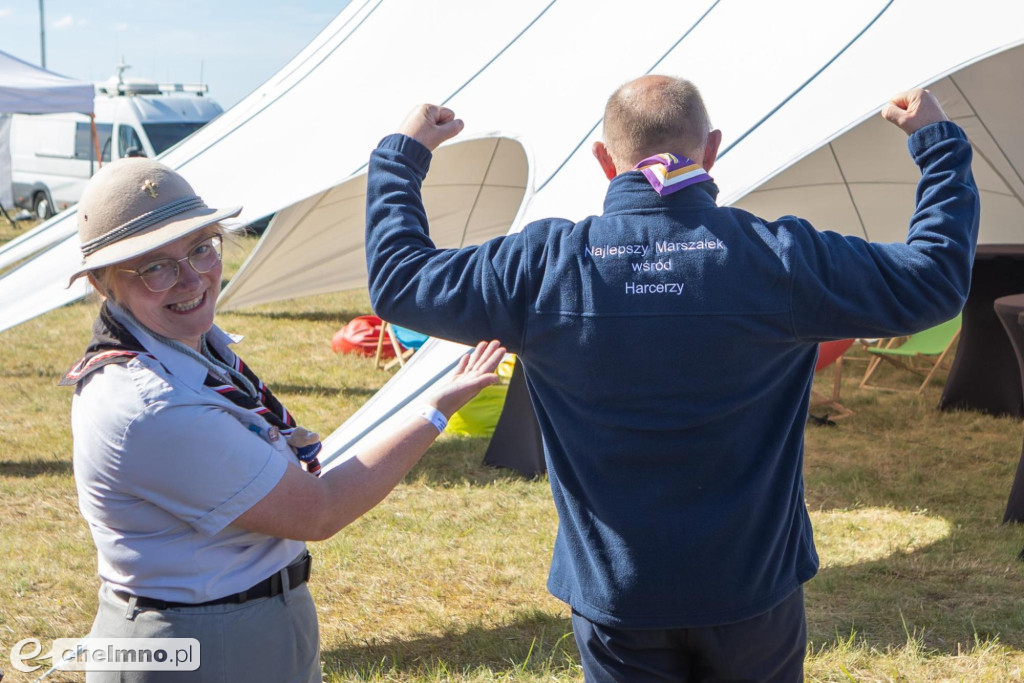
(136,205)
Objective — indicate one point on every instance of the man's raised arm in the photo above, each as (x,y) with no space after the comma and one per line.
(463,294)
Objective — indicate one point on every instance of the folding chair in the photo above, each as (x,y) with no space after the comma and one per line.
(404,341)
(931,345)
(864,344)
(831,353)
(400,353)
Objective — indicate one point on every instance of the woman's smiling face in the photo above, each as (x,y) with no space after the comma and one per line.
(185,311)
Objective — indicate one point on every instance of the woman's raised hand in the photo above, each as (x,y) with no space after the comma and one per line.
(474,372)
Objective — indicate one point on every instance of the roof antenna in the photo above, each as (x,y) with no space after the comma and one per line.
(121,68)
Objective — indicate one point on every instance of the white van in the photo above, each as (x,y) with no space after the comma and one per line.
(53,155)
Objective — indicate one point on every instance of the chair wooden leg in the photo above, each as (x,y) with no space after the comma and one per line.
(841,410)
(838,410)
(876,360)
(938,363)
(400,359)
(838,375)
(380,346)
(399,351)
(865,344)
(872,366)
(898,363)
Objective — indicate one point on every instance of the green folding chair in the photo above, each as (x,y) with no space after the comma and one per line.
(931,345)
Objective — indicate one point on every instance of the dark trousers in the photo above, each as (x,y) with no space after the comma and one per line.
(768,647)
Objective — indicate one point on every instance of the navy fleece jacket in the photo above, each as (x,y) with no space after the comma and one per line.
(669,346)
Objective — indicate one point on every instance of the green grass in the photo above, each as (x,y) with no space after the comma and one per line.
(445,580)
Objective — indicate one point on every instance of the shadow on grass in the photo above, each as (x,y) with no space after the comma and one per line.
(333,316)
(901,454)
(458,460)
(533,642)
(913,598)
(34,468)
(320,390)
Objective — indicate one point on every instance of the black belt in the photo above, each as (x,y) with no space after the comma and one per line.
(298,573)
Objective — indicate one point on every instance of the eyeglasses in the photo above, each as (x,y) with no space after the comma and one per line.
(162,274)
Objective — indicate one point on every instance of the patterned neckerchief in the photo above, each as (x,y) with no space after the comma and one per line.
(112,342)
(668,173)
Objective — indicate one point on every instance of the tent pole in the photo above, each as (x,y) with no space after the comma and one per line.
(95,140)
(42,37)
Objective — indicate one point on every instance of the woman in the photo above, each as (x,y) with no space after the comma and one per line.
(197,486)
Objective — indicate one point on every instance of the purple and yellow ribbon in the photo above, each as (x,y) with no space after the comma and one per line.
(668,173)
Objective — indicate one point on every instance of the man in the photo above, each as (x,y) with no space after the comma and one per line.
(669,347)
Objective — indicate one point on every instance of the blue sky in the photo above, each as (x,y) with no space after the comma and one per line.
(234,45)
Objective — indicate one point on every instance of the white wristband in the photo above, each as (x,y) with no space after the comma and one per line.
(434,417)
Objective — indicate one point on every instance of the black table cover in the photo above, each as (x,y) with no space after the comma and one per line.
(984,375)
(1010,311)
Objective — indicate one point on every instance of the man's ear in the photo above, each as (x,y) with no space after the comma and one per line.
(605,159)
(711,149)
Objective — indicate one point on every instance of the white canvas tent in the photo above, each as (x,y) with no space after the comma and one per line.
(791,83)
(861,182)
(480,183)
(27,89)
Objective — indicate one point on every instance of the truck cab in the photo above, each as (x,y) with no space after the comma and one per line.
(54,155)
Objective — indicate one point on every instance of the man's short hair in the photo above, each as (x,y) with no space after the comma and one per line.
(652,115)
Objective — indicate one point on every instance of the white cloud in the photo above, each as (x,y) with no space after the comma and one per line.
(122,26)
(6,12)
(64,22)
